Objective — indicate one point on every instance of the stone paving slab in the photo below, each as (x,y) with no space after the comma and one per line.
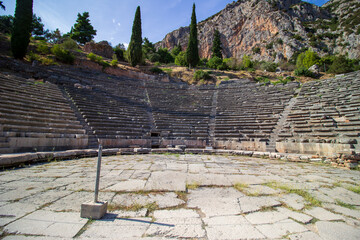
(194,194)
(253,204)
(281,228)
(337,230)
(293,200)
(163,200)
(167,181)
(48,223)
(176,223)
(324,215)
(343,210)
(117,228)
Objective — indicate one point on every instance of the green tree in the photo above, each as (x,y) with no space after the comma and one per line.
(216,48)
(340,65)
(310,58)
(120,52)
(192,51)
(300,60)
(165,56)
(22,27)
(214,62)
(148,48)
(180,59)
(37,27)
(6,24)
(135,45)
(176,50)
(82,31)
(54,36)
(2,5)
(307,59)
(246,62)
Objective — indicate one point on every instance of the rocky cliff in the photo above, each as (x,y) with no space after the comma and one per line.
(273,30)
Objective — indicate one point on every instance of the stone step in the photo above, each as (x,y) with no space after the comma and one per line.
(30,123)
(19,128)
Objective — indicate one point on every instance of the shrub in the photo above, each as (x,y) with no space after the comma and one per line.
(231,63)
(299,60)
(201,75)
(246,62)
(279,41)
(180,59)
(270,45)
(119,54)
(340,65)
(256,50)
(69,44)
(303,72)
(156,70)
(310,59)
(62,54)
(47,61)
(165,56)
(42,48)
(203,62)
(287,66)
(114,63)
(98,59)
(33,57)
(222,66)
(95,58)
(297,37)
(268,66)
(154,57)
(214,62)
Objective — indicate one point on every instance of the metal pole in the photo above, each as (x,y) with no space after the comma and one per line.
(98,174)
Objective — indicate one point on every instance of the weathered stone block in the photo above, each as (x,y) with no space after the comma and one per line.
(93,210)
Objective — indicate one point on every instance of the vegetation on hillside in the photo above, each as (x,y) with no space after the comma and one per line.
(49,47)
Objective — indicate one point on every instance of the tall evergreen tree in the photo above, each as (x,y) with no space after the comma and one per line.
(22,27)
(192,51)
(135,45)
(216,48)
(82,31)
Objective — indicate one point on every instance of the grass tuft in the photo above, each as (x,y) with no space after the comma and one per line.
(193,185)
(312,202)
(346,205)
(241,186)
(354,189)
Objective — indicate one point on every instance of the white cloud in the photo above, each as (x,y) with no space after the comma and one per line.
(118,24)
(113,20)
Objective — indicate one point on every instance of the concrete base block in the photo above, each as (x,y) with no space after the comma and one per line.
(93,210)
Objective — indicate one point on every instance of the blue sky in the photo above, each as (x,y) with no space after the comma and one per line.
(113,18)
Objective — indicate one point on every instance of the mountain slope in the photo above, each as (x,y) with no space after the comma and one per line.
(273,30)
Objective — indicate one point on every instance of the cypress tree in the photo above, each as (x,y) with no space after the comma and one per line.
(20,37)
(135,45)
(192,51)
(216,48)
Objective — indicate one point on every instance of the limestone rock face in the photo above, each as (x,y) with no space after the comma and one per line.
(278,28)
(102,48)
